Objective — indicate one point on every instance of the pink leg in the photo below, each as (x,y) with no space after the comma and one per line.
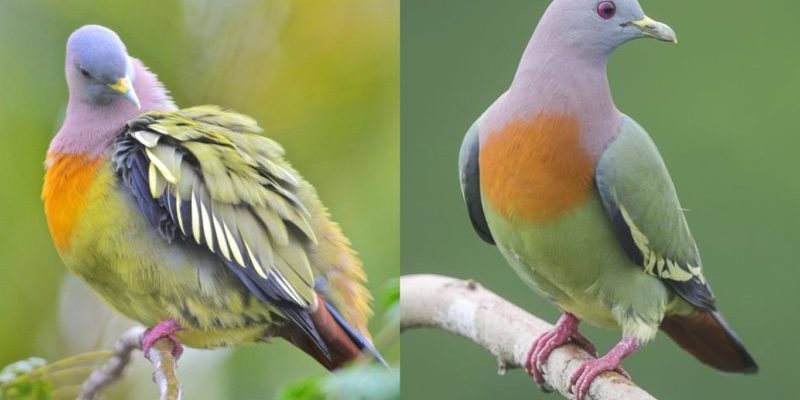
(566,330)
(165,329)
(590,369)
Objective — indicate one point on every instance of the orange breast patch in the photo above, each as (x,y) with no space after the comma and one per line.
(536,169)
(66,185)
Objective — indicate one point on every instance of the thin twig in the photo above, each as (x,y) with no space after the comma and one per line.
(160,355)
(113,369)
(165,375)
(505,330)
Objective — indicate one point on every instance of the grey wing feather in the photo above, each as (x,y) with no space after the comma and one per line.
(470,178)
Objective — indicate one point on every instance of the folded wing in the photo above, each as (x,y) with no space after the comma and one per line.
(205,177)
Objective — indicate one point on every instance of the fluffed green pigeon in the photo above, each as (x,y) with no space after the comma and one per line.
(190,221)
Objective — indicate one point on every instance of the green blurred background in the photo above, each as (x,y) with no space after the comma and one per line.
(722,107)
(322,76)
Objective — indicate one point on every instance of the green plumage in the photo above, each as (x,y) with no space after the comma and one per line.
(197,217)
(242,196)
(579,261)
(643,205)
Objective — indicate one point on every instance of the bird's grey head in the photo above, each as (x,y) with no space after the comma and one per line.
(603,25)
(99,70)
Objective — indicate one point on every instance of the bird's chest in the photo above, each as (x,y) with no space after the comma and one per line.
(85,213)
(113,248)
(67,184)
(536,170)
(537,184)
(569,260)
(89,223)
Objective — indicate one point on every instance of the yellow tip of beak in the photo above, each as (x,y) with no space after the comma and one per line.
(123,86)
(655,29)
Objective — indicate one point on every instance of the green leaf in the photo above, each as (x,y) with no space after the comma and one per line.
(358,382)
(307,389)
(20,381)
(390,295)
(35,379)
(363,382)
(390,299)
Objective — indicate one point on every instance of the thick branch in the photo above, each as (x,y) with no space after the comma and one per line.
(160,355)
(505,330)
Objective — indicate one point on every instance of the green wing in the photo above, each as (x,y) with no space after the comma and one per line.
(641,201)
(206,176)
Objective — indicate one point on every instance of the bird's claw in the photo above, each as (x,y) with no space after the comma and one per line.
(581,380)
(539,350)
(164,330)
(566,330)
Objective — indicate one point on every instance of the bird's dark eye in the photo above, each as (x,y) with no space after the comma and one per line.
(85,73)
(606,9)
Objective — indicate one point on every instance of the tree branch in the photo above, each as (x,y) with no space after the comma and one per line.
(505,330)
(160,355)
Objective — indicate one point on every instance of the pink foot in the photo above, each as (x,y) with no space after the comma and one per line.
(590,369)
(566,330)
(165,329)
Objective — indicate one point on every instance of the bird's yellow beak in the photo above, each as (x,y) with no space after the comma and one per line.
(655,29)
(125,88)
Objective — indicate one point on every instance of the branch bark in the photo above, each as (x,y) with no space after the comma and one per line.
(505,330)
(160,356)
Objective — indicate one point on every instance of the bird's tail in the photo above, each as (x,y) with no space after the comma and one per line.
(343,343)
(707,336)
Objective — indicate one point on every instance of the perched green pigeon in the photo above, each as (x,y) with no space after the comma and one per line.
(577,198)
(191,222)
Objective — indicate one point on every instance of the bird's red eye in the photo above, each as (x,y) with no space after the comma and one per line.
(606,9)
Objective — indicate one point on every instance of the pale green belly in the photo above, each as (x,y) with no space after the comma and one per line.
(577,262)
(115,250)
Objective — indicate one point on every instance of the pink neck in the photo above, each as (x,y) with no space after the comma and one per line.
(89,129)
(555,78)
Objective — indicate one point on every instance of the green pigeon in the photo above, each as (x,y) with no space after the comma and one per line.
(190,221)
(578,200)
